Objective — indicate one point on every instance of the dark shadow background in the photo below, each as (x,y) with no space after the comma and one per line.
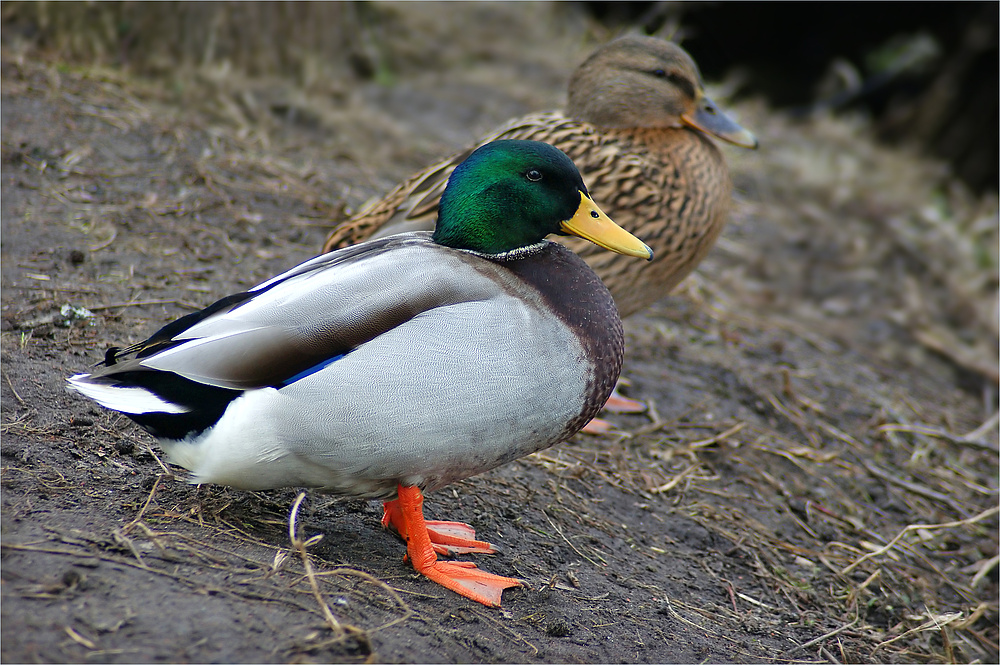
(947,102)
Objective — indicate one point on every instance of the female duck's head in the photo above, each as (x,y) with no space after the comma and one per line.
(638,81)
(511,194)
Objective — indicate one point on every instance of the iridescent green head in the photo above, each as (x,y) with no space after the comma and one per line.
(512,194)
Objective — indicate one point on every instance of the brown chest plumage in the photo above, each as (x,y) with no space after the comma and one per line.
(671,188)
(574,293)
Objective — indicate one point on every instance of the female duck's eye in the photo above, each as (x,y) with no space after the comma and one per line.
(673,77)
(534,175)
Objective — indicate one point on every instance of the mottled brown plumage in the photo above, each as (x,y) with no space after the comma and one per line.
(635,125)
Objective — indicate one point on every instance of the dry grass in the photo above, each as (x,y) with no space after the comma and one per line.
(911,244)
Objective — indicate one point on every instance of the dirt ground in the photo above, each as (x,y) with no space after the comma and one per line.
(816,480)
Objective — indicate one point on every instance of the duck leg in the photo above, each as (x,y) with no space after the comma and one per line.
(462,577)
(447,538)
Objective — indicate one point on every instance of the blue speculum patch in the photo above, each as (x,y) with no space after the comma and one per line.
(312,370)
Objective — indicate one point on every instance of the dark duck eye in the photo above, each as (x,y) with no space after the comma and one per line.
(534,175)
(668,76)
(675,79)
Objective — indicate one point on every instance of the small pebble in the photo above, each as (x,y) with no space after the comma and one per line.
(558,628)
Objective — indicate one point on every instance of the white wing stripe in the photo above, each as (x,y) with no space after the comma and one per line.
(126,400)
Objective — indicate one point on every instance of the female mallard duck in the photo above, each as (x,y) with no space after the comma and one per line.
(635,125)
(332,375)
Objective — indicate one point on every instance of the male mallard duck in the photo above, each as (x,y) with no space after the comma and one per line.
(401,364)
(635,125)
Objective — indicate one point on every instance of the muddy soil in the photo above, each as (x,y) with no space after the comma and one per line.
(798,422)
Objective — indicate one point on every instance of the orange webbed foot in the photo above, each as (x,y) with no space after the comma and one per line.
(464,578)
(406,515)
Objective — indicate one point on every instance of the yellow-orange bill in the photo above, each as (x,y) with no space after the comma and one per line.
(590,222)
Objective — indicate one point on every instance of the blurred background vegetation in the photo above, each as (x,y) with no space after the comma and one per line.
(927,73)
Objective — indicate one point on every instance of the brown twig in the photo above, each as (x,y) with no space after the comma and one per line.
(56,289)
(13,389)
(675,480)
(915,527)
(341,631)
(973,438)
(823,638)
(563,536)
(137,303)
(394,593)
(935,621)
(925,492)
(142,511)
(982,430)
(984,569)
